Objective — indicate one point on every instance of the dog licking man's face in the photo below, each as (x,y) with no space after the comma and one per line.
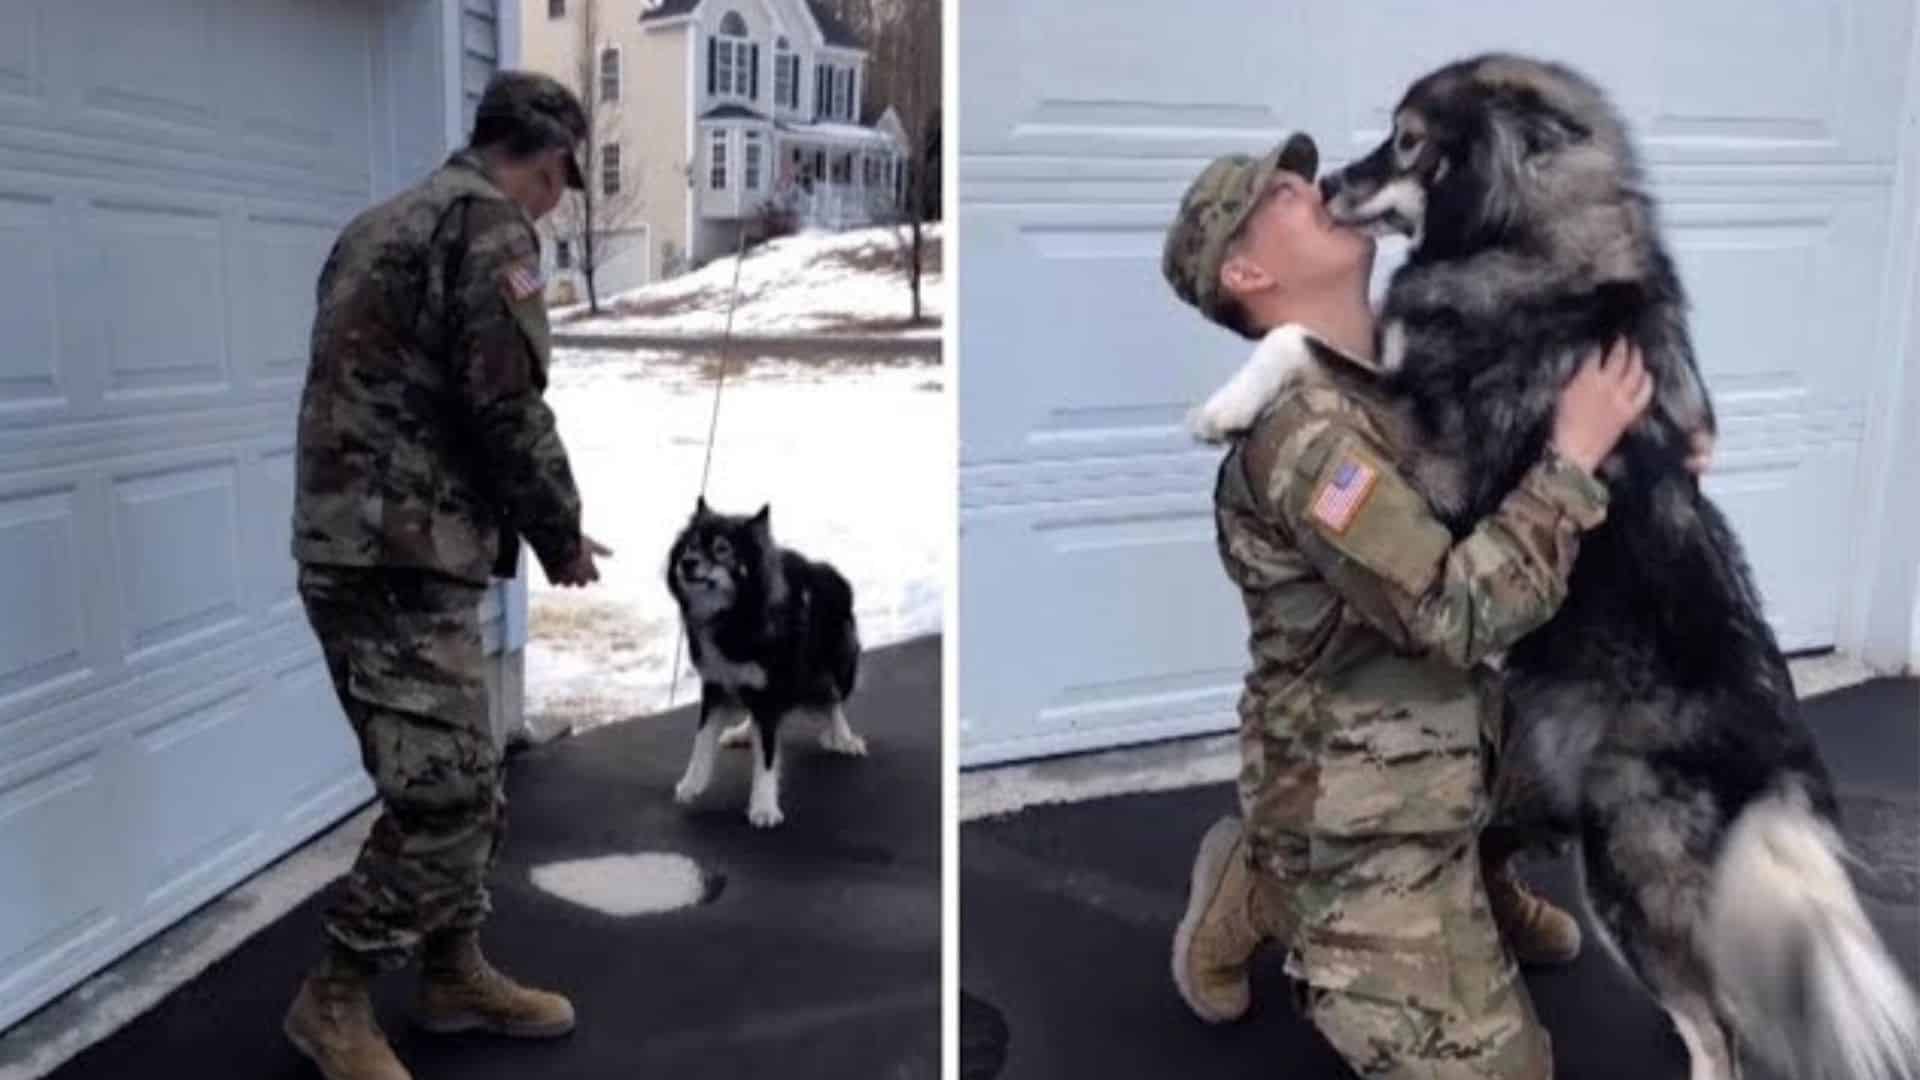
(1290,244)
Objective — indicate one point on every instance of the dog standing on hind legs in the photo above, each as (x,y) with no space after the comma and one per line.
(770,632)
(1654,711)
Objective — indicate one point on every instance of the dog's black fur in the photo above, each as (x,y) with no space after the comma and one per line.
(1655,707)
(770,631)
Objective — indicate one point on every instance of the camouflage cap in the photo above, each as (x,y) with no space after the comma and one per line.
(1216,204)
(542,106)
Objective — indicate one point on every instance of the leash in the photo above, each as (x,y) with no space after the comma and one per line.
(713,427)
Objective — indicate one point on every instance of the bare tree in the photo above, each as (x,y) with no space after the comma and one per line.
(597,225)
(903,72)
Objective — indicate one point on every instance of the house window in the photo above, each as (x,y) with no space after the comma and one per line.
(733,61)
(610,74)
(610,169)
(556,9)
(717,162)
(750,160)
(843,95)
(843,168)
(822,92)
(563,254)
(786,75)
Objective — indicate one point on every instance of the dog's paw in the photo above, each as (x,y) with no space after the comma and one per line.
(843,742)
(765,815)
(737,736)
(686,792)
(1277,362)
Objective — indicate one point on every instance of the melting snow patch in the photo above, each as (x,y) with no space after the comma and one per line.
(626,885)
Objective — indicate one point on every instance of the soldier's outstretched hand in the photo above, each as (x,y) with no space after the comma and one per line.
(583,571)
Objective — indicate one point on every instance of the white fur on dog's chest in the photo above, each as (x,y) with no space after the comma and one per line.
(715,668)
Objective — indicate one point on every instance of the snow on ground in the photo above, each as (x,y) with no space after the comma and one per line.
(851,454)
(814,282)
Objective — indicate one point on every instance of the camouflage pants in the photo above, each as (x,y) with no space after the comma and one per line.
(404,651)
(1371,825)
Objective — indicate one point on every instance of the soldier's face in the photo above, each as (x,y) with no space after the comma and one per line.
(549,182)
(1292,243)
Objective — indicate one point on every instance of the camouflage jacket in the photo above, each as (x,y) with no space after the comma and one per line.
(423,438)
(1369,622)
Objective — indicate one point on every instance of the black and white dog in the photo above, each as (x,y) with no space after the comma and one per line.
(771,632)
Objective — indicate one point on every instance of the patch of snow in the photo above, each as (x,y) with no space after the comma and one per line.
(850,455)
(625,885)
(811,282)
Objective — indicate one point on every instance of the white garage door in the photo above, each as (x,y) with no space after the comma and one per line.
(171,176)
(1094,608)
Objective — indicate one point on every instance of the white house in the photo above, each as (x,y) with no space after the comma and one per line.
(1783,141)
(172,174)
(720,109)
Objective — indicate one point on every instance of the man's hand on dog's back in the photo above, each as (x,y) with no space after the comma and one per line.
(1600,402)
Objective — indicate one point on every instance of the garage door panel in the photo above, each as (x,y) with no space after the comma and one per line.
(269,513)
(57,905)
(1129,627)
(29,375)
(294,103)
(40,573)
(150,62)
(1075,78)
(190,814)
(21,51)
(150,294)
(279,258)
(1767,483)
(1089,282)
(1701,81)
(176,533)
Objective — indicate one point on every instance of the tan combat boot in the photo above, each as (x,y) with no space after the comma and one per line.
(1231,911)
(1536,930)
(460,991)
(331,1022)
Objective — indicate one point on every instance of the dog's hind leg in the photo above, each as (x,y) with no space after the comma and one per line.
(838,737)
(763,803)
(693,783)
(1711,1053)
(1647,856)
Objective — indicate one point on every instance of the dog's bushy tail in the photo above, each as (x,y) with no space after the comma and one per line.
(835,629)
(1810,984)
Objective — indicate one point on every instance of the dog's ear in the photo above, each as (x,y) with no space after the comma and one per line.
(700,508)
(1544,131)
(763,520)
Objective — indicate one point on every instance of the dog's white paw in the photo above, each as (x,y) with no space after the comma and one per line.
(687,792)
(841,741)
(1277,361)
(737,736)
(765,815)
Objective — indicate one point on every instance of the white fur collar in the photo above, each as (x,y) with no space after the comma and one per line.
(1277,363)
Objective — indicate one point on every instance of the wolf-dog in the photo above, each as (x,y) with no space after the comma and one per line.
(1652,719)
(770,633)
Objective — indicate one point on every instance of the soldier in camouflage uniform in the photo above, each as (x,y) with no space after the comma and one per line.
(1368,721)
(424,453)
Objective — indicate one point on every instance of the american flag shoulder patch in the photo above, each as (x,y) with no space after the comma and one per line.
(1341,496)
(520,281)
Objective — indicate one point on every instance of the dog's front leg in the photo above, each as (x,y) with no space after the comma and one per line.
(699,772)
(763,804)
(839,737)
